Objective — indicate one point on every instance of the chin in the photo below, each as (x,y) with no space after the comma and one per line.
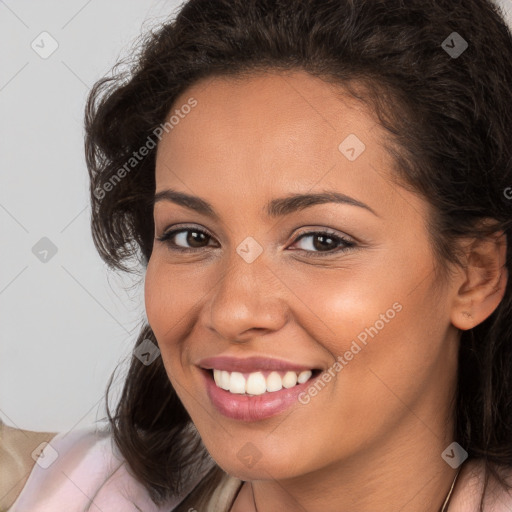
(247,464)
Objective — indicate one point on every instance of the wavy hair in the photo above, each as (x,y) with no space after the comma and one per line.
(450,122)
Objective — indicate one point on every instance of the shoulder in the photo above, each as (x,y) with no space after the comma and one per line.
(83,471)
(469,490)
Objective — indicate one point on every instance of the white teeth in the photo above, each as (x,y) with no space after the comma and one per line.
(236,383)
(274,382)
(224,380)
(256,383)
(304,376)
(221,378)
(289,379)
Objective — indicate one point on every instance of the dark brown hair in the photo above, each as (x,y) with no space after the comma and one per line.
(449,118)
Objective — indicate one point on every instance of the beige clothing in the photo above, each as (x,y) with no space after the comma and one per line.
(16,462)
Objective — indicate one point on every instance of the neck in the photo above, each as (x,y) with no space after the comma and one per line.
(391,476)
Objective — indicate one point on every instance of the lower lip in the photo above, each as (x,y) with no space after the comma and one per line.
(252,407)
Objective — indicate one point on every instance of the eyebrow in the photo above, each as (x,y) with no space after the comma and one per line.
(275,208)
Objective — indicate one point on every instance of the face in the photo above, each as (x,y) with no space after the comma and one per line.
(343,287)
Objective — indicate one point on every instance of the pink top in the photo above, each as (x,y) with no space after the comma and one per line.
(82,471)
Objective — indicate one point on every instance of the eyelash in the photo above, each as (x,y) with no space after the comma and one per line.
(166,238)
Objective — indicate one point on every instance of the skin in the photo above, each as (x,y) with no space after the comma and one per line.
(386,416)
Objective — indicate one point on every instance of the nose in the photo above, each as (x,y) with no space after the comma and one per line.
(247,301)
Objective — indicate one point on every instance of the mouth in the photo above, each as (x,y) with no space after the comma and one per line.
(259,382)
(257,395)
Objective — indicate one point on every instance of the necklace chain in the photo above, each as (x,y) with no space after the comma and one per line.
(447,500)
(443,508)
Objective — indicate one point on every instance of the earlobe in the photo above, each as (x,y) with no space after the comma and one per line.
(485,279)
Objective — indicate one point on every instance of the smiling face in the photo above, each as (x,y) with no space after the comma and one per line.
(294,290)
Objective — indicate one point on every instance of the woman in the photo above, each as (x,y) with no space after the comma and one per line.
(319,193)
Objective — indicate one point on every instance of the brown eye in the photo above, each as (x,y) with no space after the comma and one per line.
(185,239)
(324,242)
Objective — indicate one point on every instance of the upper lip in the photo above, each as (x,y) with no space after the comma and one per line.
(249,364)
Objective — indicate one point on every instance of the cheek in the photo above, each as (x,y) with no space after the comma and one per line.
(337,305)
(173,297)
(376,316)
(154,297)
(164,305)
(170,295)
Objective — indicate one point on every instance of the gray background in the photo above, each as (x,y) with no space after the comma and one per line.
(65,322)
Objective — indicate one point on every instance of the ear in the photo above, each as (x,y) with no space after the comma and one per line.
(484,280)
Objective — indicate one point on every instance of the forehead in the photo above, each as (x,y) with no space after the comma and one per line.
(272,133)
